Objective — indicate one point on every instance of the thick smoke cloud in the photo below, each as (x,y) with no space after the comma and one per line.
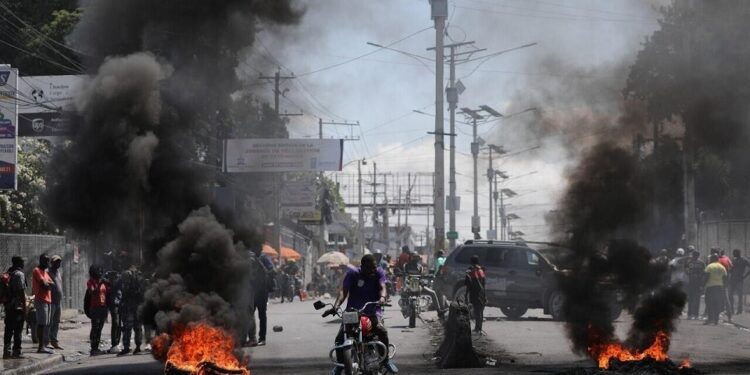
(144,159)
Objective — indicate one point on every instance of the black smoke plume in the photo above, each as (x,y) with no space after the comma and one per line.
(144,158)
(605,201)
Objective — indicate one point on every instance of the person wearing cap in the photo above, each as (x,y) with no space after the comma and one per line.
(57,295)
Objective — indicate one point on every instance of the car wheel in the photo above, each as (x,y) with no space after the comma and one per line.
(513,312)
(555,305)
(459,294)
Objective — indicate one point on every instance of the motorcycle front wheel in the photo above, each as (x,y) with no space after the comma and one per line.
(346,360)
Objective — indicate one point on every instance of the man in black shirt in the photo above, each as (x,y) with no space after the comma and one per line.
(740,270)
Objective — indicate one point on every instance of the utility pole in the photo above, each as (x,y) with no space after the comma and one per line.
(361,216)
(452,93)
(503,228)
(386,228)
(490,172)
(475,221)
(495,211)
(439,15)
(277,177)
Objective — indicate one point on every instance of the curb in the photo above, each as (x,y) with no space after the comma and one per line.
(36,366)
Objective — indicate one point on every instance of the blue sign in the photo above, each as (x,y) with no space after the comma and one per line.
(4,75)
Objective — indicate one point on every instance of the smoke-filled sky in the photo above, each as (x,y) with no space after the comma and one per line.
(582,44)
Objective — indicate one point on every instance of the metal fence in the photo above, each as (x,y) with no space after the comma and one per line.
(724,234)
(75,262)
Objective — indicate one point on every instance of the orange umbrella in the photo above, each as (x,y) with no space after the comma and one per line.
(289,253)
(268,250)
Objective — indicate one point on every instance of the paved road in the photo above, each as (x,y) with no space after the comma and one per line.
(301,348)
(532,345)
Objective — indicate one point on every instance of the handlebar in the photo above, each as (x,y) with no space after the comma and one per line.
(339,311)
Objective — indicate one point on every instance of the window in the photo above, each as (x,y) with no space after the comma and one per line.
(532,258)
(464,257)
(498,257)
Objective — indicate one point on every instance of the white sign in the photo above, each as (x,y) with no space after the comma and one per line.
(282,155)
(298,196)
(8,127)
(42,102)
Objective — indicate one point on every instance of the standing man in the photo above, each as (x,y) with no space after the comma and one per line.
(57,295)
(132,297)
(41,286)
(694,267)
(15,309)
(114,294)
(439,262)
(95,306)
(475,294)
(716,276)
(263,285)
(740,271)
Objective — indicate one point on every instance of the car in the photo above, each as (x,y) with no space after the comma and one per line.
(518,277)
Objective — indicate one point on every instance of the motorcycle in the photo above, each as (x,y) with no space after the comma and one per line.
(363,353)
(413,299)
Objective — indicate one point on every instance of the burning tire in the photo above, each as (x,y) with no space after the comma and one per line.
(514,312)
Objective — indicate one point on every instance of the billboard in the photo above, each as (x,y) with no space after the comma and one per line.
(8,127)
(46,105)
(282,155)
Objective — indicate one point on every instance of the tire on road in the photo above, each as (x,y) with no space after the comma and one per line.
(412,314)
(514,312)
(555,302)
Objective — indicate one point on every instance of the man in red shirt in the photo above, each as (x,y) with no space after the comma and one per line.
(95,306)
(475,293)
(41,286)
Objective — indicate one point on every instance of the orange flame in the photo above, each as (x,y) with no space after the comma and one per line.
(190,347)
(685,363)
(605,352)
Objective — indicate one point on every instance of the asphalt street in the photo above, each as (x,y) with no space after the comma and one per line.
(532,345)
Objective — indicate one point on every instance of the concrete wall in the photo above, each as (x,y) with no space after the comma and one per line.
(75,261)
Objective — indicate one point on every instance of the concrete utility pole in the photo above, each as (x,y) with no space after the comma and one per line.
(452,93)
(386,228)
(490,173)
(439,15)
(361,214)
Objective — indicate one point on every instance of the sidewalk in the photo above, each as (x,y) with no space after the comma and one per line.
(73,336)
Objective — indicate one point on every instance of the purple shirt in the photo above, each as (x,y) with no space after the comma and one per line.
(364,289)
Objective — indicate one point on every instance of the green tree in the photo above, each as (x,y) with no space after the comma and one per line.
(20,211)
(693,70)
(34,36)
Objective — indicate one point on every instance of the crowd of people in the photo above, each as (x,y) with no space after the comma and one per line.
(719,280)
(116,294)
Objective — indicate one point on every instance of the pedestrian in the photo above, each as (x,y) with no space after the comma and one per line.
(414,266)
(403,258)
(262,285)
(132,289)
(15,308)
(41,286)
(95,306)
(716,276)
(740,271)
(727,263)
(475,292)
(694,268)
(439,262)
(57,295)
(114,294)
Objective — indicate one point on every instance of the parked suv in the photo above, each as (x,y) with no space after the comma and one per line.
(518,277)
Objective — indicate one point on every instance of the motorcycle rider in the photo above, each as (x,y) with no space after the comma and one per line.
(414,266)
(362,285)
